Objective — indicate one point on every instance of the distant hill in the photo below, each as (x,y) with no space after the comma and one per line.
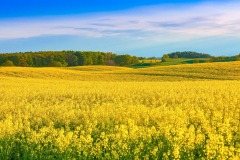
(189,54)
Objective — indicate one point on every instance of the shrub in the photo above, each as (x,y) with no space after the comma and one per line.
(8,63)
(196,61)
(238,58)
(55,64)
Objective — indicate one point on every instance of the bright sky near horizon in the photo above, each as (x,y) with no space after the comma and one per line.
(138,27)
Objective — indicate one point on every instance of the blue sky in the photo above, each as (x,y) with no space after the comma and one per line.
(142,28)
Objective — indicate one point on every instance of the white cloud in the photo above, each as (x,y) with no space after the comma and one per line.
(150,24)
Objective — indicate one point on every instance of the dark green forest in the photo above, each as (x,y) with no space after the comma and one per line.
(191,55)
(65,58)
(188,54)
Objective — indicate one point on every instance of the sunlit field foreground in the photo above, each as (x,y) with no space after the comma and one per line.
(99,112)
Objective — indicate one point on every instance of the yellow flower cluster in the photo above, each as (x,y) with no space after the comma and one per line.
(60,117)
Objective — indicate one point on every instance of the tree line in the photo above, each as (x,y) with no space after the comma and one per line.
(65,58)
(188,54)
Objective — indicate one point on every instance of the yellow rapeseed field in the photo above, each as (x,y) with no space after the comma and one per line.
(100,112)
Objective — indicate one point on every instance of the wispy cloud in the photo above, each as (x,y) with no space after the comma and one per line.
(154,23)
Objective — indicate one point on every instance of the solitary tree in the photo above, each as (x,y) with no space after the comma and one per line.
(165,57)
